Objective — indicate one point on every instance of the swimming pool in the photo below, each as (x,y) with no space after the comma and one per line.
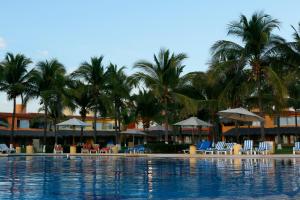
(148,178)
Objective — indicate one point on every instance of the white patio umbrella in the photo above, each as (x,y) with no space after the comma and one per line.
(240,114)
(134,133)
(193,121)
(73,123)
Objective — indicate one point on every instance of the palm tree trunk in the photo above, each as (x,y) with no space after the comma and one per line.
(116,123)
(81,130)
(13,122)
(45,122)
(237,132)
(166,123)
(95,124)
(278,132)
(262,123)
(119,126)
(55,132)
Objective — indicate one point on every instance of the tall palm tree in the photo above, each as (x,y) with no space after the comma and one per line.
(55,110)
(93,73)
(80,95)
(15,80)
(49,81)
(163,78)
(258,40)
(118,88)
(288,60)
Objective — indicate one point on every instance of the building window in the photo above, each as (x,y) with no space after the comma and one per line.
(284,121)
(255,123)
(107,126)
(3,123)
(99,126)
(23,123)
(104,126)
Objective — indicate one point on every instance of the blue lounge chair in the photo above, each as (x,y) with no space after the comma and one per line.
(248,147)
(263,148)
(219,146)
(228,148)
(137,149)
(140,149)
(204,146)
(296,148)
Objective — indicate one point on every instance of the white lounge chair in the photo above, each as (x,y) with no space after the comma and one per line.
(248,147)
(263,148)
(227,149)
(296,148)
(4,149)
(219,147)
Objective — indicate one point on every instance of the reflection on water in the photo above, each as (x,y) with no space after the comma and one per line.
(148,178)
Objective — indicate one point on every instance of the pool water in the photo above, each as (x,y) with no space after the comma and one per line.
(108,177)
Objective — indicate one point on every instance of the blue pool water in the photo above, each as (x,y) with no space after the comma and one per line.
(148,178)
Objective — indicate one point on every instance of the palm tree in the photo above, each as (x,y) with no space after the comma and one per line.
(287,56)
(49,81)
(206,88)
(80,96)
(147,107)
(163,78)
(118,89)
(254,52)
(93,73)
(15,80)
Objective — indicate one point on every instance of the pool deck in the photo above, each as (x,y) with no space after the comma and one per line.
(278,156)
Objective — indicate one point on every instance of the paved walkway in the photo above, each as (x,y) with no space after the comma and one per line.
(279,156)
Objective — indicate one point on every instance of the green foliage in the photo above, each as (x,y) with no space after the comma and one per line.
(284,150)
(93,74)
(147,107)
(118,90)
(166,148)
(164,77)
(15,76)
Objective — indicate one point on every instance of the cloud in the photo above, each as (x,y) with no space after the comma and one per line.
(43,53)
(2,43)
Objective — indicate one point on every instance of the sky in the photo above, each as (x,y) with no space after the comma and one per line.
(125,31)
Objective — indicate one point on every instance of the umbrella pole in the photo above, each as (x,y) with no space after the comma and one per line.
(199,133)
(81,133)
(73,134)
(237,132)
(193,138)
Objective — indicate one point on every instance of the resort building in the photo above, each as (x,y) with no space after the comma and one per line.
(284,128)
(29,126)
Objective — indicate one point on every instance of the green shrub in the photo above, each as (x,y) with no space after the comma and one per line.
(49,148)
(284,150)
(166,148)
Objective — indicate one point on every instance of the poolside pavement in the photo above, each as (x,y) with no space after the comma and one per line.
(279,156)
